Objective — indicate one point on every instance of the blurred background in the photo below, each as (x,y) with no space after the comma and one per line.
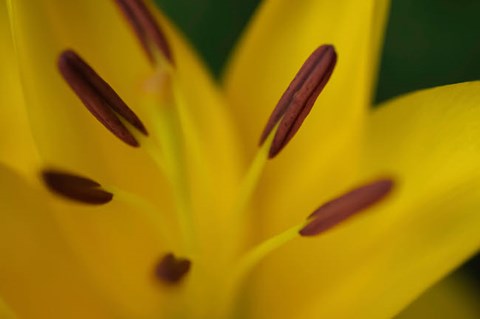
(428,43)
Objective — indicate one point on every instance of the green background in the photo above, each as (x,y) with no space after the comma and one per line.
(428,43)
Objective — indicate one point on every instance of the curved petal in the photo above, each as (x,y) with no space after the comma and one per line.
(39,276)
(454,297)
(275,45)
(386,257)
(16,143)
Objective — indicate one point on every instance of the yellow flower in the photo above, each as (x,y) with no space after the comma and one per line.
(193,219)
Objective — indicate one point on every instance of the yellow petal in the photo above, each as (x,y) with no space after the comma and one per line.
(16,144)
(118,246)
(386,257)
(39,276)
(5,311)
(454,297)
(281,36)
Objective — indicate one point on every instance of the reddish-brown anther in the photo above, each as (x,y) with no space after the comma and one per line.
(98,97)
(172,269)
(297,101)
(77,188)
(145,27)
(345,206)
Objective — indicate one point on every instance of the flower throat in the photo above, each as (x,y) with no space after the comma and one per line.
(163,143)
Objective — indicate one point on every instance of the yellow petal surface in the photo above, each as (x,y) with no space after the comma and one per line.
(282,35)
(5,311)
(118,246)
(375,264)
(39,276)
(16,143)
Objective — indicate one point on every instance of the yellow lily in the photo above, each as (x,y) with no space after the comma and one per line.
(194,220)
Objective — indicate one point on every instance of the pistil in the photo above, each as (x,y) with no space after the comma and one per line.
(160,100)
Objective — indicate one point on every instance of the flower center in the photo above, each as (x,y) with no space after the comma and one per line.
(165,147)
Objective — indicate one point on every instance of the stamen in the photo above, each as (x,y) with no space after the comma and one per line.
(324,218)
(297,101)
(172,269)
(99,98)
(76,187)
(341,208)
(145,27)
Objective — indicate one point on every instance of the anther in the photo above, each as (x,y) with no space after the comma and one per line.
(345,206)
(74,187)
(172,269)
(297,101)
(99,98)
(145,27)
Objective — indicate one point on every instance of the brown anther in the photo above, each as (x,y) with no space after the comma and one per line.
(99,98)
(172,269)
(345,206)
(77,188)
(145,27)
(297,101)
